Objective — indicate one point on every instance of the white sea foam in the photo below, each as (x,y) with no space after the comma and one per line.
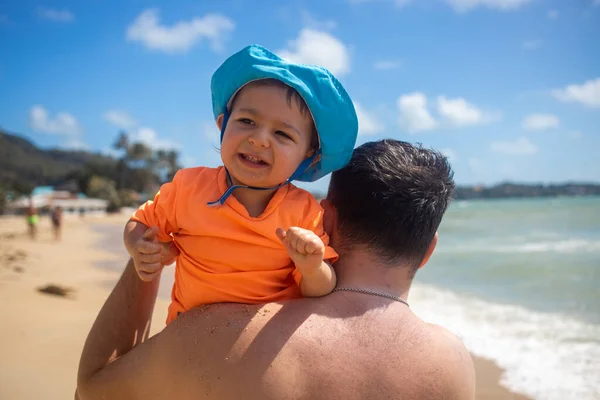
(559,246)
(546,246)
(546,356)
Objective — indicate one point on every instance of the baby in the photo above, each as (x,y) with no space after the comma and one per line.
(244,233)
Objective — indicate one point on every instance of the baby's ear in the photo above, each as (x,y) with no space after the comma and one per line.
(310,153)
(219,122)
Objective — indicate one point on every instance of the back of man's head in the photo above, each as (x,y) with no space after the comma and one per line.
(391,198)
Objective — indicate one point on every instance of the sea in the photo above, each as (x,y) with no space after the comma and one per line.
(519,282)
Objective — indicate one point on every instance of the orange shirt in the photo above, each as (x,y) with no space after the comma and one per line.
(227,255)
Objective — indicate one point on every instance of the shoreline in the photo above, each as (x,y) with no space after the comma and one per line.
(43,335)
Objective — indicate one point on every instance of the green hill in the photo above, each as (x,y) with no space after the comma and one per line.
(23,163)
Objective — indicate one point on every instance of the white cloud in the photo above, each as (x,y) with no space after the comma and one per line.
(521,147)
(319,48)
(459,112)
(502,5)
(588,93)
(310,21)
(540,122)
(414,114)
(120,119)
(450,154)
(145,135)
(386,64)
(55,15)
(367,123)
(149,137)
(553,14)
(531,44)
(62,124)
(183,35)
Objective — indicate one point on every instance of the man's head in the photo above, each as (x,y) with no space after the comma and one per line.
(269,133)
(390,199)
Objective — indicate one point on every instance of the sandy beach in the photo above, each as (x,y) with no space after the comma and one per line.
(41,335)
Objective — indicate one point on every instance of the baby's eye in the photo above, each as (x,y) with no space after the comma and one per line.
(246,121)
(283,134)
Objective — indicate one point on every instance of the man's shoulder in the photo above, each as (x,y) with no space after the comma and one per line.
(217,326)
(452,360)
(220,349)
(445,337)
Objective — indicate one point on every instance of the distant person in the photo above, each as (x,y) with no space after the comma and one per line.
(361,342)
(246,233)
(57,217)
(33,219)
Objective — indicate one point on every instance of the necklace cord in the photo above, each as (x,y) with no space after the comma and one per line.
(371,292)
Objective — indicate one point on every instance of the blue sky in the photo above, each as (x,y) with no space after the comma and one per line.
(509,89)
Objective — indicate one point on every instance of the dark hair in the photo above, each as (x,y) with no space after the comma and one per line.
(391,197)
(292,94)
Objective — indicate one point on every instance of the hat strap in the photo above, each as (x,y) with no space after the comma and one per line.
(304,165)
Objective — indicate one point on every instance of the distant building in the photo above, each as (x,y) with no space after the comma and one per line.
(45,198)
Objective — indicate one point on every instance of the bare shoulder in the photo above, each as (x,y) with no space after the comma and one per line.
(212,350)
(214,322)
(445,337)
(454,362)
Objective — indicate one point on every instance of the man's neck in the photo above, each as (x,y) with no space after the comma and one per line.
(359,269)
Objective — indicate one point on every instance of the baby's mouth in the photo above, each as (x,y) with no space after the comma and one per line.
(253,159)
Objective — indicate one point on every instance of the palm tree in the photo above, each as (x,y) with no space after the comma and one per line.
(172,164)
(122,144)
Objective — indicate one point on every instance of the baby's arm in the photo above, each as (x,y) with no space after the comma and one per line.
(148,254)
(134,231)
(154,220)
(306,250)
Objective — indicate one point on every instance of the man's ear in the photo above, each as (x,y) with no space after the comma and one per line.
(430,250)
(220,122)
(329,217)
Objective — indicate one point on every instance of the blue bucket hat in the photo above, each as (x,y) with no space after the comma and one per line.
(330,106)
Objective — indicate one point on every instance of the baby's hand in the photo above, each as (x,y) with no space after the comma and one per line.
(150,255)
(169,253)
(305,248)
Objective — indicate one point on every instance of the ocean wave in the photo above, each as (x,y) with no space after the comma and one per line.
(566,246)
(546,356)
(560,246)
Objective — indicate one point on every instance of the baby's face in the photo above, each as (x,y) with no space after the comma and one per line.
(266,137)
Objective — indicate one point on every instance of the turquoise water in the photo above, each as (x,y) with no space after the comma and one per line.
(519,282)
(540,253)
